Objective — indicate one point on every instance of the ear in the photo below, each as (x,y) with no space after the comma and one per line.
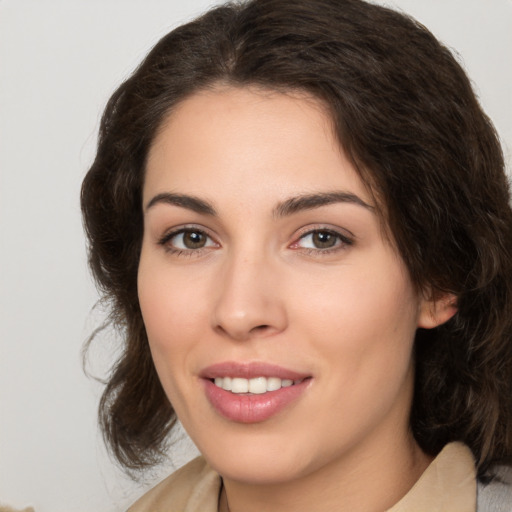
(436,311)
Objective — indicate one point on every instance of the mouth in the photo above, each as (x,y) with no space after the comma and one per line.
(254,386)
(252,392)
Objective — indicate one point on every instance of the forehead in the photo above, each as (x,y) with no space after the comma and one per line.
(241,142)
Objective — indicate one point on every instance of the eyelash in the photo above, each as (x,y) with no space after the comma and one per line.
(342,242)
(165,241)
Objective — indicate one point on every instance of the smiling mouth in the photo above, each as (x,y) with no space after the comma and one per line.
(252,392)
(254,386)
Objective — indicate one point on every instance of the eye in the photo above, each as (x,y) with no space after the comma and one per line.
(187,239)
(322,240)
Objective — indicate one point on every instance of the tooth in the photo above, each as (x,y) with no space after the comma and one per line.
(239,385)
(226,384)
(273,383)
(258,385)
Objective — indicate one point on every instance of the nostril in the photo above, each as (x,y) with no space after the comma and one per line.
(260,328)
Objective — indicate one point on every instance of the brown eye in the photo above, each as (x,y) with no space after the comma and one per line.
(194,239)
(187,240)
(324,239)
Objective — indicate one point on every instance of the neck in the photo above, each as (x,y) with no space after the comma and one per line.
(365,483)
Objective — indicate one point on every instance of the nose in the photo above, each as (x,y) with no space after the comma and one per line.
(249,302)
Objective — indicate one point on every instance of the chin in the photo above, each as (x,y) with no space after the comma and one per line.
(262,471)
(259,460)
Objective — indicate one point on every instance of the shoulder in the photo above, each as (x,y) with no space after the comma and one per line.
(495,494)
(193,488)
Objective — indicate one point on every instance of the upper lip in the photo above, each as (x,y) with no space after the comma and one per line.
(250,370)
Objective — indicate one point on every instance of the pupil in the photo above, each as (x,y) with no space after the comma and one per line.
(324,239)
(194,240)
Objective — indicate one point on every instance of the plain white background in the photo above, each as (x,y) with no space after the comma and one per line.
(59,62)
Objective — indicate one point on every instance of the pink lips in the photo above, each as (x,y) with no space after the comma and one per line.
(251,408)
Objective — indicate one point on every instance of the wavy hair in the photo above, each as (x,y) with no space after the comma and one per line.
(404,112)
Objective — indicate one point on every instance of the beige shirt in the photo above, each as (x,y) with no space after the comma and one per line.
(447,485)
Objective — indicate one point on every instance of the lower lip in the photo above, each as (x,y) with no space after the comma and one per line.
(244,408)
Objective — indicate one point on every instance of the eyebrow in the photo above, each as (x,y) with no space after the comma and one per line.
(283,209)
(184,201)
(316,200)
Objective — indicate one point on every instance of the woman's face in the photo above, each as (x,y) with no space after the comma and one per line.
(264,264)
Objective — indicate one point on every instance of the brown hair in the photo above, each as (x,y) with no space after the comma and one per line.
(404,112)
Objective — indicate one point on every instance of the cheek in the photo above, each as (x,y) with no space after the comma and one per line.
(172,310)
(173,317)
(365,320)
(362,300)
(364,339)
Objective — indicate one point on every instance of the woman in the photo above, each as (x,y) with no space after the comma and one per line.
(300,215)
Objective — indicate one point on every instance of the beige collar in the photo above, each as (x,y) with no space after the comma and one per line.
(447,485)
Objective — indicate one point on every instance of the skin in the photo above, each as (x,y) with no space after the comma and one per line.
(259,289)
